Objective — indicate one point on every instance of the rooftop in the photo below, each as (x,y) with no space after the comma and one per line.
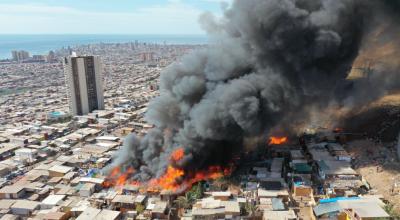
(53,199)
(25,204)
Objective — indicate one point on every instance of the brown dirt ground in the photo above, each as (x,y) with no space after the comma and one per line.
(370,155)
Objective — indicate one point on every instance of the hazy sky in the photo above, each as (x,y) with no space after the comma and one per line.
(104,16)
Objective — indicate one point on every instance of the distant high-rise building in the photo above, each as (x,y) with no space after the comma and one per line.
(14,55)
(51,57)
(39,58)
(83,75)
(147,56)
(20,55)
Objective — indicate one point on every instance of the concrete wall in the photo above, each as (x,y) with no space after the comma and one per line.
(99,82)
(70,84)
(83,85)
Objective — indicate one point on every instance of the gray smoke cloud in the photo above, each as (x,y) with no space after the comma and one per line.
(267,61)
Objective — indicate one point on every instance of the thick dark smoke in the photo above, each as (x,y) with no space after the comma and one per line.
(378,55)
(268,61)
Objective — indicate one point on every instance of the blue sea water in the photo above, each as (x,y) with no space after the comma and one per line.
(42,44)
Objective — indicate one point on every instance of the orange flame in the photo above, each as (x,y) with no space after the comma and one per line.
(118,178)
(168,180)
(177,155)
(171,180)
(337,130)
(174,179)
(277,140)
(213,172)
(115,172)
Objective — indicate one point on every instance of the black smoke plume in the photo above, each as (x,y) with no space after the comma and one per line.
(268,61)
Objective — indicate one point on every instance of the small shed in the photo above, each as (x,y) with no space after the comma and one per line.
(89,214)
(159,210)
(124,202)
(108,215)
(87,189)
(51,201)
(327,209)
(223,196)
(274,215)
(24,207)
(59,170)
(232,208)
(12,192)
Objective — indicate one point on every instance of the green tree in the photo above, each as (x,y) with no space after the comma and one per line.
(250,208)
(196,192)
(190,197)
(139,208)
(184,202)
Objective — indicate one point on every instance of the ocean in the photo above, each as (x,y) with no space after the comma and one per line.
(42,44)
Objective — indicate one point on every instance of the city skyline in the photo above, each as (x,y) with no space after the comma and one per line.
(127,17)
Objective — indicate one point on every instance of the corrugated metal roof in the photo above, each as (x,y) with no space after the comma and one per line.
(326,208)
(277,204)
(302,167)
(322,165)
(330,200)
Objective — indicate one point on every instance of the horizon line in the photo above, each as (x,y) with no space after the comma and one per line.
(205,35)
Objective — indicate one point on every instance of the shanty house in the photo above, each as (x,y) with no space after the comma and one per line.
(208,209)
(339,152)
(51,201)
(327,210)
(10,217)
(89,214)
(232,208)
(277,165)
(296,155)
(331,169)
(160,210)
(273,188)
(223,196)
(26,154)
(68,177)
(108,215)
(5,205)
(24,207)
(301,167)
(362,209)
(124,202)
(275,215)
(12,192)
(76,206)
(56,216)
(87,189)
(59,170)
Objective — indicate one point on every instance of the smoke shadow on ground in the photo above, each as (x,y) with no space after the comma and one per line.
(377,122)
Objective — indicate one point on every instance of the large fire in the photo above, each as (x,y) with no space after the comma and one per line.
(117,178)
(277,140)
(174,179)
